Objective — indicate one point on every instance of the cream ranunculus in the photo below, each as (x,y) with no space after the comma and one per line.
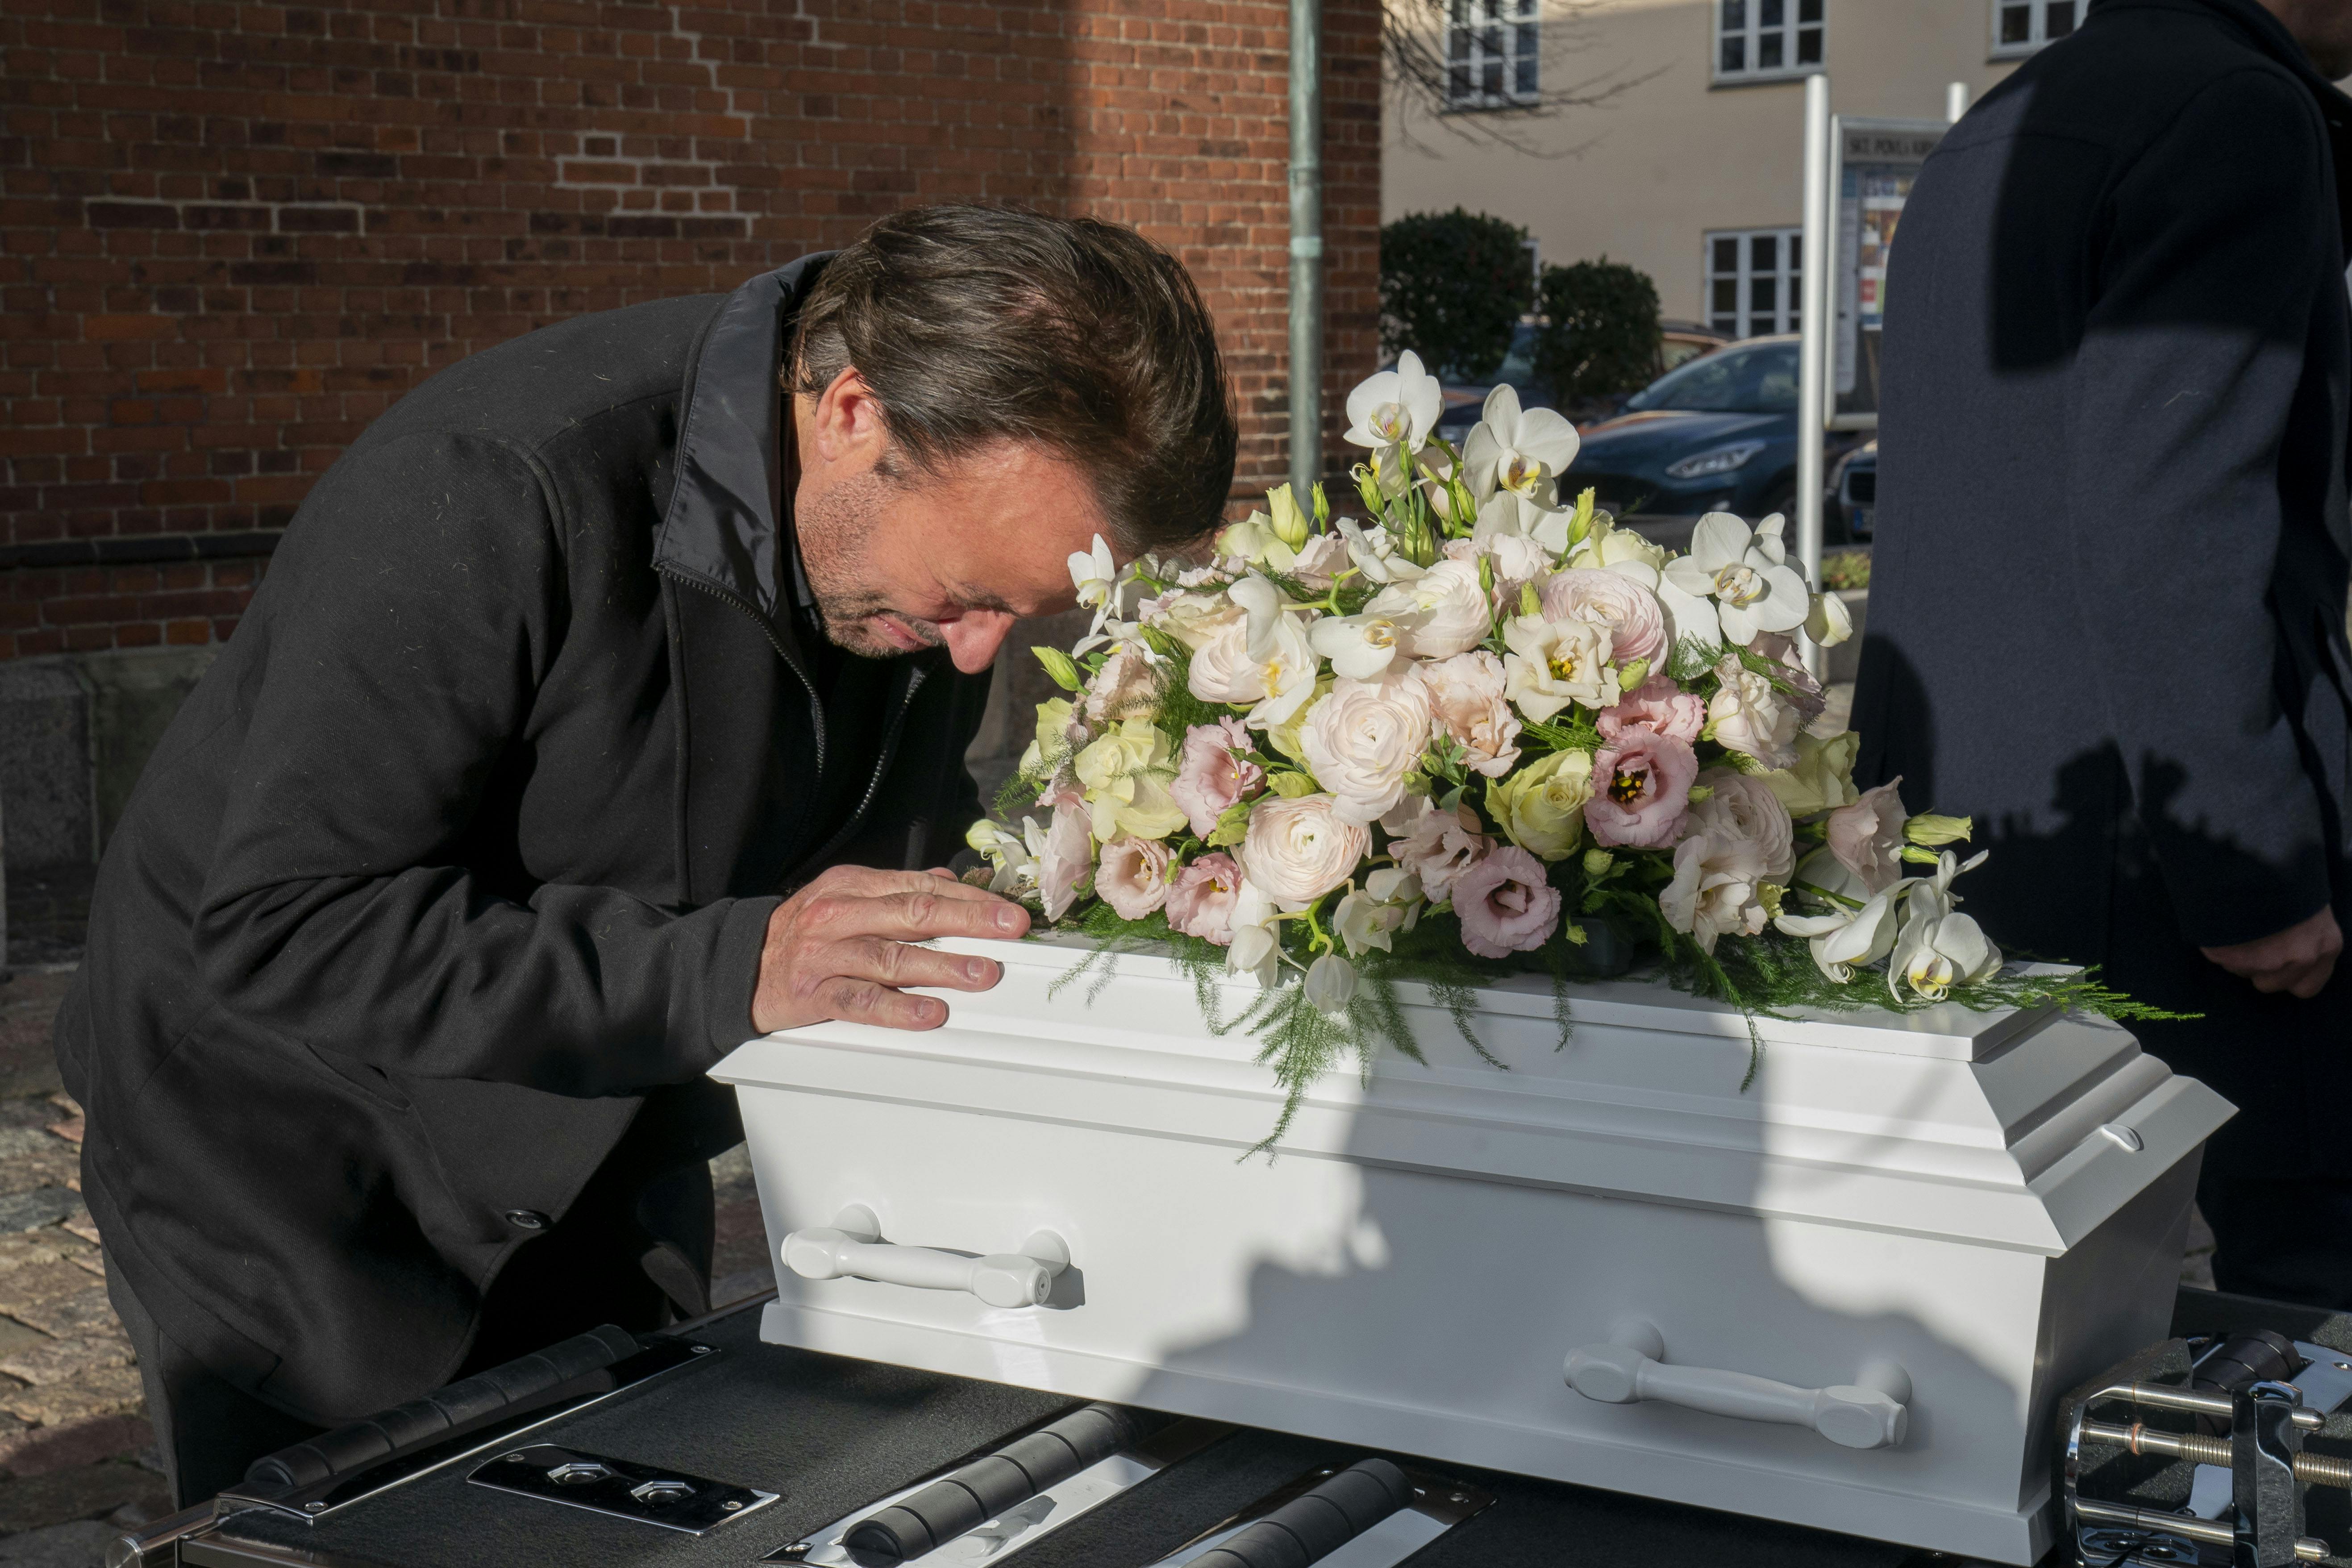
(1822,778)
(1298,849)
(1455,614)
(1125,773)
(1554,663)
(1636,623)
(1716,888)
(1466,701)
(1362,741)
(1746,809)
(1746,714)
(1541,807)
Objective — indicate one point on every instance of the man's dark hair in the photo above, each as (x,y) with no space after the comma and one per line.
(973,325)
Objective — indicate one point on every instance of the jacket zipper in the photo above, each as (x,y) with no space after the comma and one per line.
(914,680)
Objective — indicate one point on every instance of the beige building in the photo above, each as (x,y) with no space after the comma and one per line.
(1688,166)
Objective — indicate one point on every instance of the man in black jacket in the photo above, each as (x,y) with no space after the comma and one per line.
(2108,604)
(603,707)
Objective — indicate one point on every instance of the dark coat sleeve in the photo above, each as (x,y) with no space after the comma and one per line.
(2192,352)
(419,603)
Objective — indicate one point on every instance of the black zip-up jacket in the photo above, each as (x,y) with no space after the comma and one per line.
(459,860)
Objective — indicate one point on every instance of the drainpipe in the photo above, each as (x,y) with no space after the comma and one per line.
(1306,245)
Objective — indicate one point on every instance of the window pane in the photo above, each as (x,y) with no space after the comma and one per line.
(1726,254)
(1764,253)
(2061,20)
(1768,51)
(1809,10)
(2017,23)
(1527,83)
(1735,15)
(1797,251)
(1763,295)
(1809,46)
(1734,53)
(1770,13)
(1725,295)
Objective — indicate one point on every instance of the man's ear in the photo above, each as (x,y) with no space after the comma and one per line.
(847,425)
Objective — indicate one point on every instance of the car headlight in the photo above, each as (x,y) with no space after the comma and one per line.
(1722,460)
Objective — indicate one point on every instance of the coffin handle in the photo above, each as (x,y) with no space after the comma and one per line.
(1872,1411)
(852,1247)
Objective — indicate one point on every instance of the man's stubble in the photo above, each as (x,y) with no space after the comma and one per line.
(835,529)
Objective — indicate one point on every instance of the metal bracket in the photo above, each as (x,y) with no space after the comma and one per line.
(1439,1503)
(642,1493)
(1018,1526)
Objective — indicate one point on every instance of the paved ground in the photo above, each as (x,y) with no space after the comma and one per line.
(76,1453)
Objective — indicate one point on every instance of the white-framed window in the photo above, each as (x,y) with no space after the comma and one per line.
(1756,39)
(1492,49)
(1752,280)
(2022,26)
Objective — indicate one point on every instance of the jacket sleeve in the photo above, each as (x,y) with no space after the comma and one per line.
(2193,350)
(413,611)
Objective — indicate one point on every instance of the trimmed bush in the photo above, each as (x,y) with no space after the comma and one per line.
(1452,286)
(1601,332)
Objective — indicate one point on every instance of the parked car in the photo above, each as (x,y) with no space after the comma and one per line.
(1719,434)
(1855,483)
(1679,341)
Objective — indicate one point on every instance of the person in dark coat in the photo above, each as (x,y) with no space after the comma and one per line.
(603,707)
(2108,597)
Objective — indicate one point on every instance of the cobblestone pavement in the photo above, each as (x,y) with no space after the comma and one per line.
(75,1452)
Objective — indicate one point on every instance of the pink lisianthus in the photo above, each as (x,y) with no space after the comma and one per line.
(1635,620)
(1201,902)
(1124,688)
(1641,790)
(1438,845)
(1866,837)
(1805,694)
(1133,876)
(1211,773)
(1505,905)
(1069,854)
(1659,706)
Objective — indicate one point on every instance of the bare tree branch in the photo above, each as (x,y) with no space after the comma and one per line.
(1421,76)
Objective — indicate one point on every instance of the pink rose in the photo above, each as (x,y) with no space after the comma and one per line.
(1439,846)
(1646,790)
(1068,857)
(1202,901)
(1212,774)
(1132,877)
(1636,622)
(1505,904)
(1658,706)
(1867,836)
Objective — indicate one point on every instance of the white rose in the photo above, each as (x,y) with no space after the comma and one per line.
(1455,617)
(1191,618)
(1554,663)
(1361,739)
(1298,849)
(1747,809)
(1717,878)
(1746,715)
(1466,701)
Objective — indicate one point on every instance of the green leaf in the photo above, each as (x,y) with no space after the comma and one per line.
(1291,784)
(1058,665)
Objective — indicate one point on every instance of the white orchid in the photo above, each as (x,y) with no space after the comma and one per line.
(1734,583)
(1332,983)
(1256,949)
(1395,409)
(1096,575)
(1939,947)
(1374,553)
(1263,657)
(1512,461)
(1361,646)
(1014,857)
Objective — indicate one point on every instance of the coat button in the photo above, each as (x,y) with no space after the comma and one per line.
(526,1220)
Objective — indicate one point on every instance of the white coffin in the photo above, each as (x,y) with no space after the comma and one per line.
(1994,1203)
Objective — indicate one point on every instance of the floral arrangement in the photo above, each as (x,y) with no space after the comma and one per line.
(1480,729)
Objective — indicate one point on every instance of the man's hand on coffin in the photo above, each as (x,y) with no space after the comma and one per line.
(2297,959)
(838,948)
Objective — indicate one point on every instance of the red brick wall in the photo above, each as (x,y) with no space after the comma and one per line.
(233,234)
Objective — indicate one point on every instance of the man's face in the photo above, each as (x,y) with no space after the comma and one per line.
(902,559)
(2324,28)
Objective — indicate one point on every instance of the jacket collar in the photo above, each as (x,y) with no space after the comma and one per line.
(727,523)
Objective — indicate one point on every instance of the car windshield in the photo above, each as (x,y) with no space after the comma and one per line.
(1760,380)
(1518,368)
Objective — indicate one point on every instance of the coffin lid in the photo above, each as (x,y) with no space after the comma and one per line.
(2010,1129)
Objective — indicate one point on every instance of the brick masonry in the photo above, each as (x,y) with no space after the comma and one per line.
(231,234)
